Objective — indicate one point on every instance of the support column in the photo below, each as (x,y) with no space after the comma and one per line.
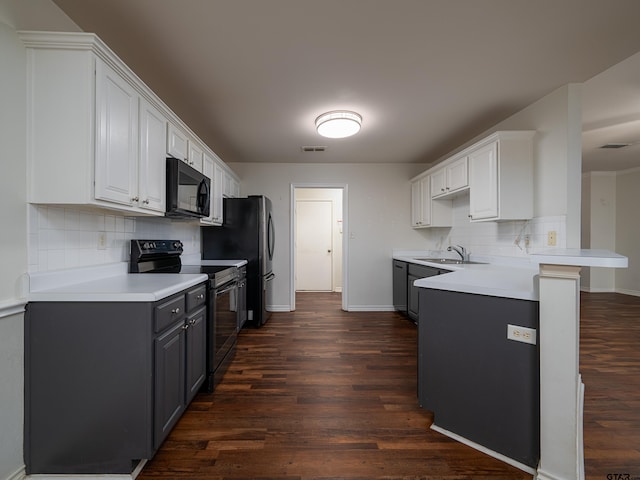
(561,388)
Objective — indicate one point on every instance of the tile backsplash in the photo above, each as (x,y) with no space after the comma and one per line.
(67,237)
(499,238)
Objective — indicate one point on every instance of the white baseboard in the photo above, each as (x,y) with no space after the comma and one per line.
(622,291)
(19,474)
(597,290)
(101,476)
(279,308)
(491,453)
(635,293)
(370,308)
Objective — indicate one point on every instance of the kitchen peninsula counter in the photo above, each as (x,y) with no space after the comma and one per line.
(496,276)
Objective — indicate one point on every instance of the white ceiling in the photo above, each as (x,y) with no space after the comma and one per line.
(250,76)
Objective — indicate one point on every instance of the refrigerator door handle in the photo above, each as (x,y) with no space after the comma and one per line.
(271,237)
(270,277)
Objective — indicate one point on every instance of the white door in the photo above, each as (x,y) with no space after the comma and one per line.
(314,245)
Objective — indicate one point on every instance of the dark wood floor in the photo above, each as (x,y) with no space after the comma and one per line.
(323,394)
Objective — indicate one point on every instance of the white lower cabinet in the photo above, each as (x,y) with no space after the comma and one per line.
(501,177)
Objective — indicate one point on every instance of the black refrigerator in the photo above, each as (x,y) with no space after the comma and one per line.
(246,233)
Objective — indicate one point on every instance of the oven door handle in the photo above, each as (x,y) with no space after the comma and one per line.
(269,277)
(226,289)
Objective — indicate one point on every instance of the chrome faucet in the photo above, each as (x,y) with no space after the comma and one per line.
(459,249)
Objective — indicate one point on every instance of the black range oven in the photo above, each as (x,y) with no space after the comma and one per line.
(163,256)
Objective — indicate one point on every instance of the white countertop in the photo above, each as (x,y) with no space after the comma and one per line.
(216,263)
(500,277)
(581,257)
(107,283)
(508,277)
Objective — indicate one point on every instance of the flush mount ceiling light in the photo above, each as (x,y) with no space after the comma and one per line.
(338,124)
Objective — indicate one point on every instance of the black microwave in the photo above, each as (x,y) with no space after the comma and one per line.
(188,191)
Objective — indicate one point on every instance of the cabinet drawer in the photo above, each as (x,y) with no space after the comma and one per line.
(196,297)
(168,312)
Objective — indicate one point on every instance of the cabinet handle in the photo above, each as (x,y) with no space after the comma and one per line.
(175,311)
(200,297)
(442,189)
(135,199)
(185,326)
(146,201)
(447,188)
(192,322)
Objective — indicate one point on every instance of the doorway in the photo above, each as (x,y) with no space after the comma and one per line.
(318,253)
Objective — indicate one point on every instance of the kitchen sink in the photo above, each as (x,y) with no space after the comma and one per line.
(450,261)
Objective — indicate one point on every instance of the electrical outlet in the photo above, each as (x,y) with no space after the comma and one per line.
(521,334)
(551,238)
(102,241)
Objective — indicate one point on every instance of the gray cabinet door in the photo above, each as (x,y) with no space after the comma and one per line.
(416,272)
(169,399)
(196,353)
(400,286)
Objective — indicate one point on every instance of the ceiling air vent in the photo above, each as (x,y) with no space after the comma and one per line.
(615,145)
(316,148)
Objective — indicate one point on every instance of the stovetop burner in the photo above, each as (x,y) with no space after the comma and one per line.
(163,256)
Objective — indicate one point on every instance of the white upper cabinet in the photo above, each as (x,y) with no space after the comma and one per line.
(182,146)
(426,212)
(116,160)
(97,135)
(231,186)
(483,201)
(152,165)
(450,179)
(216,193)
(195,155)
(208,170)
(420,203)
(497,171)
(501,177)
(177,143)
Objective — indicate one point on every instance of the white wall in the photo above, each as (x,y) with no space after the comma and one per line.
(378,220)
(628,230)
(13,254)
(599,229)
(15,14)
